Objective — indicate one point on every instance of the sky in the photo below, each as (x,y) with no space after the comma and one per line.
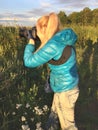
(26,12)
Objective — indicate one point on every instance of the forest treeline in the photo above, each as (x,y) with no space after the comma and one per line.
(84,17)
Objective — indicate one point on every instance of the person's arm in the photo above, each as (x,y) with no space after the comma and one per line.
(33,59)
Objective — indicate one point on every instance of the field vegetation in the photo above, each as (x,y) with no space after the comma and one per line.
(23,103)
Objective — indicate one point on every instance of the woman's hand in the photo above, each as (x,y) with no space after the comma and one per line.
(31,41)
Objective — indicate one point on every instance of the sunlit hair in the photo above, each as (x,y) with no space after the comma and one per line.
(47,26)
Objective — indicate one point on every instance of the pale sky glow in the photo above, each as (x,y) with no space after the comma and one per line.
(26,12)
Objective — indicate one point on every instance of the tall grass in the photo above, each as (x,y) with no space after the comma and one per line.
(23,102)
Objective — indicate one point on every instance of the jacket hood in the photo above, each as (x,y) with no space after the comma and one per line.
(66,37)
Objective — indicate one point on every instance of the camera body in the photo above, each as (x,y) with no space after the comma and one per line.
(32,33)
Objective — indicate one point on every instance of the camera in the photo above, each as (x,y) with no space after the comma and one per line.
(30,34)
(26,33)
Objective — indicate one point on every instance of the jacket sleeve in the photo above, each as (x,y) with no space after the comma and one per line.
(33,59)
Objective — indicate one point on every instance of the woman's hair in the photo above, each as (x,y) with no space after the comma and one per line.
(48,25)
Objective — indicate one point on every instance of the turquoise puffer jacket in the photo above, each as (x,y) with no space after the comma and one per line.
(62,77)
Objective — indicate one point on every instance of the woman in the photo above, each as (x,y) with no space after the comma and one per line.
(64,77)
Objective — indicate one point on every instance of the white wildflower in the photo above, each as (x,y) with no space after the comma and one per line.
(32,119)
(38,126)
(25,113)
(13,113)
(25,127)
(27,105)
(23,118)
(38,111)
(18,106)
(45,108)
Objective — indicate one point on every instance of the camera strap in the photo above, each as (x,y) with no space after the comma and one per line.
(64,57)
